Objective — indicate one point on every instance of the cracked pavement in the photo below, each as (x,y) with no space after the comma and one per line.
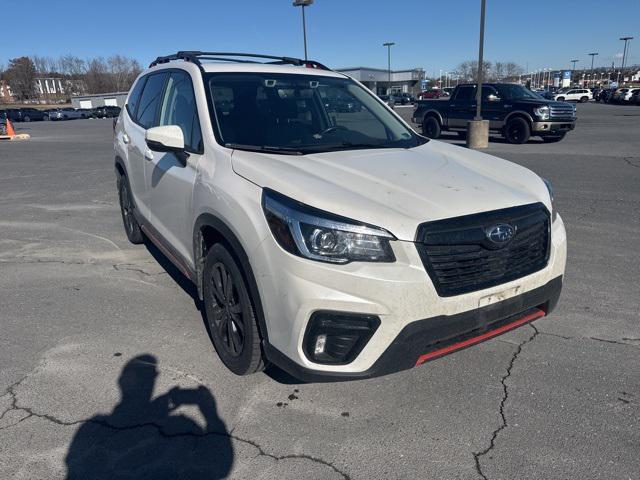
(106,369)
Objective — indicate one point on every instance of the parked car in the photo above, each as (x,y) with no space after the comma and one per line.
(606,95)
(512,110)
(574,94)
(635,98)
(388,99)
(626,96)
(66,114)
(107,111)
(434,93)
(618,95)
(24,114)
(447,91)
(275,212)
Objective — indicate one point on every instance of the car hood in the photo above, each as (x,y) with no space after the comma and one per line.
(396,189)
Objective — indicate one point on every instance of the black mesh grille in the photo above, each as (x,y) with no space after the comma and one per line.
(460,258)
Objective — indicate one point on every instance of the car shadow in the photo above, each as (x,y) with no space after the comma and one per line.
(147,437)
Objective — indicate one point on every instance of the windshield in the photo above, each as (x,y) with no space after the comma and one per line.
(301,114)
(517,92)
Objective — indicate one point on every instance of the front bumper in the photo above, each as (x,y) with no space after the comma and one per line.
(432,338)
(553,127)
(414,319)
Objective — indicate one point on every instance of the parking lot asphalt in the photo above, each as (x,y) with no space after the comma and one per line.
(105,359)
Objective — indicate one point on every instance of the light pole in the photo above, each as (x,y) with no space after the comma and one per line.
(303,3)
(388,45)
(624,54)
(593,55)
(478,129)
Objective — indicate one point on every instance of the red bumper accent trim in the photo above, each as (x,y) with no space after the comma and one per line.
(480,338)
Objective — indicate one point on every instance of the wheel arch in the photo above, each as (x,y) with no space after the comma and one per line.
(433,113)
(519,114)
(209,230)
(119,166)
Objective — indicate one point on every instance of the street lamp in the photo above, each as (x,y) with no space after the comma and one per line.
(388,45)
(574,64)
(592,57)
(624,54)
(303,3)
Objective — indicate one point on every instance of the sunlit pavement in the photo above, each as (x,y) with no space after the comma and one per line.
(105,363)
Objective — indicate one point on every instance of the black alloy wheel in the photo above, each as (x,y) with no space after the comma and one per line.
(127,207)
(517,131)
(230,313)
(431,127)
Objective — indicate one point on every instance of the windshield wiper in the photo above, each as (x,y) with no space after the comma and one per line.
(264,149)
(341,146)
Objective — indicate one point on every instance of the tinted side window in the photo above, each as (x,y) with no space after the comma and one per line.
(466,94)
(150,99)
(134,98)
(179,108)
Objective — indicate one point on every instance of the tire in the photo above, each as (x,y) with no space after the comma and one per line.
(127,209)
(584,99)
(553,138)
(431,127)
(560,99)
(27,118)
(230,313)
(517,131)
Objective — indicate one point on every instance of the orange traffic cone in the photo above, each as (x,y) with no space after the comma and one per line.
(10,131)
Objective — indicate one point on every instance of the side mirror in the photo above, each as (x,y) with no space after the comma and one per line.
(493,98)
(168,138)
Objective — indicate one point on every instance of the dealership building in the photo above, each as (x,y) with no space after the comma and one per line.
(377,79)
(116,99)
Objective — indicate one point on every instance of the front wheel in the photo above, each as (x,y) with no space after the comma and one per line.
(560,99)
(230,313)
(431,127)
(27,119)
(127,208)
(584,99)
(517,131)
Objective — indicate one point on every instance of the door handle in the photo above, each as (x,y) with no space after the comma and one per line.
(125,139)
(148,154)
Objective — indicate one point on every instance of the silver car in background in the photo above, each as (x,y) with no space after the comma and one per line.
(66,114)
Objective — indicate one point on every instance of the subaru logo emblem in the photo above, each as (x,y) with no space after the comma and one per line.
(501,233)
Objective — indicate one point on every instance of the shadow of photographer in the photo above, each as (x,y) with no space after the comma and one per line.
(145,437)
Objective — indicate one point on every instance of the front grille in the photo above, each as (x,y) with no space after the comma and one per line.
(460,258)
(559,111)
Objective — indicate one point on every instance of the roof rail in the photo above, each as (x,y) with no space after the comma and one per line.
(195,56)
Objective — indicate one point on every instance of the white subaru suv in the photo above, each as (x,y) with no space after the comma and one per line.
(323,234)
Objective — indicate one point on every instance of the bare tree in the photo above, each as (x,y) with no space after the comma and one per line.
(512,69)
(21,75)
(468,70)
(123,71)
(97,77)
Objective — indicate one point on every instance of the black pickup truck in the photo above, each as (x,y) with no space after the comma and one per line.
(512,110)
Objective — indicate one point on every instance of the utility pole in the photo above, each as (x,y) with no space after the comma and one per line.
(303,4)
(388,45)
(478,129)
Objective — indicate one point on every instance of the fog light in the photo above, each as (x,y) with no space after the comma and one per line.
(321,341)
(337,338)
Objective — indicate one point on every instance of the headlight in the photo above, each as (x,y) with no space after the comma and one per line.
(318,235)
(554,213)
(542,113)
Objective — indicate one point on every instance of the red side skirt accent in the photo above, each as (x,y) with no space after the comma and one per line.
(480,338)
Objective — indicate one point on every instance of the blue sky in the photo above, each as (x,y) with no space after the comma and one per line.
(341,33)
